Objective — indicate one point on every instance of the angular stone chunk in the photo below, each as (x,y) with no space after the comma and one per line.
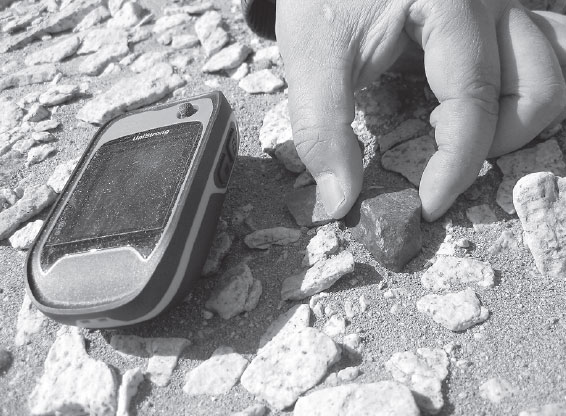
(319,277)
(261,82)
(165,23)
(55,53)
(148,60)
(289,366)
(496,389)
(220,248)
(410,158)
(447,272)
(481,216)
(386,398)
(128,389)
(288,323)
(96,63)
(322,245)
(210,33)
(217,375)
(72,380)
(58,94)
(61,175)
(11,115)
(544,157)
(99,38)
(407,130)
(306,207)
(455,311)
(68,17)
(388,223)
(423,373)
(30,75)
(230,57)
(25,236)
(263,239)
(40,153)
(540,200)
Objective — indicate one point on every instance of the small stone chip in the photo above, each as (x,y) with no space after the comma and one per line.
(407,130)
(323,244)
(496,389)
(228,58)
(25,236)
(263,239)
(261,82)
(448,271)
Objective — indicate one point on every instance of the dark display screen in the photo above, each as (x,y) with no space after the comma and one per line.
(127,192)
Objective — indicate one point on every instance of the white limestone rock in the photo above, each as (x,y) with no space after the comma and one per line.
(168,22)
(94,17)
(39,153)
(217,375)
(323,244)
(288,366)
(99,38)
(551,409)
(455,311)
(195,8)
(148,60)
(130,14)
(59,94)
(183,40)
(261,82)
(36,113)
(30,75)
(45,125)
(73,382)
(296,318)
(128,389)
(240,72)
(209,30)
(447,272)
(264,239)
(481,216)
(11,115)
(30,321)
(228,58)
(410,158)
(61,175)
(335,327)
(25,236)
(505,242)
(56,52)
(268,53)
(496,390)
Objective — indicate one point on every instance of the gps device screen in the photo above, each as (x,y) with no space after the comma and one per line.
(126,193)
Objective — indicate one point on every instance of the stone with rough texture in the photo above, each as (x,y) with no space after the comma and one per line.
(423,372)
(165,23)
(306,207)
(229,57)
(36,113)
(99,38)
(25,236)
(481,216)
(96,63)
(540,201)
(496,389)
(148,60)
(55,53)
(261,82)
(217,375)
(35,199)
(407,130)
(506,241)
(289,366)
(254,410)
(237,292)
(386,398)
(61,175)
(544,157)
(73,382)
(128,389)
(130,14)
(183,41)
(264,239)
(94,17)
(30,321)
(455,311)
(388,223)
(131,93)
(46,125)
(319,277)
(268,53)
(59,94)
(551,409)
(323,244)
(69,16)
(447,272)
(11,115)
(210,33)
(410,158)
(31,75)
(288,323)
(39,153)
(219,249)
(335,327)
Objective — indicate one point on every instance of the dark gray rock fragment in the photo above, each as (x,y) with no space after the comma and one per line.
(307,209)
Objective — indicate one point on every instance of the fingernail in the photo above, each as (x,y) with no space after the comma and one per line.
(331,192)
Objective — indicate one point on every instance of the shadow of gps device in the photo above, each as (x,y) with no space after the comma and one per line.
(132,228)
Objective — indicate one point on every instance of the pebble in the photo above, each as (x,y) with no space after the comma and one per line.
(46,125)
(448,272)
(352,345)
(306,207)
(407,130)
(496,389)
(210,33)
(261,82)
(59,94)
(544,157)
(39,153)
(220,248)
(410,158)
(217,375)
(198,7)
(36,113)
(323,244)
(481,216)
(61,175)
(67,18)
(131,380)
(363,303)
(238,73)
(11,115)
(237,292)
(96,63)
(552,409)
(385,398)
(227,58)
(182,41)
(254,410)
(289,366)
(73,380)
(423,372)
(56,52)
(349,310)
(288,323)
(264,239)
(506,241)
(148,60)
(168,22)
(31,75)
(6,360)
(335,327)
(131,93)
(100,38)
(319,277)
(94,17)
(388,223)
(540,201)
(25,236)
(35,199)
(455,311)
(129,15)
(268,53)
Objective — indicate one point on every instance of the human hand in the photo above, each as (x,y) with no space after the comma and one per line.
(495,68)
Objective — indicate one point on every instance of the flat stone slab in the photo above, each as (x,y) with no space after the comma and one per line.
(410,158)
(261,82)
(56,52)
(227,58)
(448,272)
(324,244)
(30,321)
(386,398)
(263,239)
(540,201)
(296,318)
(31,75)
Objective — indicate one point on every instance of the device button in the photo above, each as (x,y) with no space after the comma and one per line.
(223,170)
(186,110)
(232,143)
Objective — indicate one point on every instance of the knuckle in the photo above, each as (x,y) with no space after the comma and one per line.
(486,95)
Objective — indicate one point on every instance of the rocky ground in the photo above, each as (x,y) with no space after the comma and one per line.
(296,314)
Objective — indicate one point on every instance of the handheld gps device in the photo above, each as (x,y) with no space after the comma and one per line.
(132,228)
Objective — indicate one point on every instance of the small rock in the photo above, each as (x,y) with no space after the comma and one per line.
(348,374)
(288,323)
(506,241)
(100,38)
(306,207)
(139,34)
(148,60)
(463,243)
(217,375)
(386,398)
(25,236)
(183,41)
(94,17)
(349,310)
(11,115)
(261,82)
(55,53)
(198,7)
(128,389)
(481,216)
(97,62)
(322,245)
(540,201)
(73,380)
(40,153)
(335,327)
(552,409)
(31,75)
(67,18)
(239,72)
(46,125)
(210,33)
(289,366)
(352,345)
(268,53)
(32,203)
(5,360)
(319,277)
(30,321)
(447,272)
(455,311)
(59,94)
(423,373)
(407,130)
(363,303)
(410,158)
(264,239)
(238,292)
(254,410)
(387,222)
(496,389)
(544,157)
(165,23)
(220,248)
(61,175)
(129,15)
(228,58)
(36,113)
